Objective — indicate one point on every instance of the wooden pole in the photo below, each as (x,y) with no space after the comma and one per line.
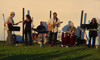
(82,13)
(23,17)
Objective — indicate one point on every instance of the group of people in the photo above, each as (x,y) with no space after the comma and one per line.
(53,25)
(27,23)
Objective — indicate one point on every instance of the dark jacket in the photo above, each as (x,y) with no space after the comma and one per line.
(28,25)
(41,28)
(93,33)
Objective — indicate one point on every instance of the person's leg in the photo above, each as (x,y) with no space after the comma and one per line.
(30,39)
(89,42)
(26,41)
(55,39)
(9,37)
(94,41)
(50,38)
(75,39)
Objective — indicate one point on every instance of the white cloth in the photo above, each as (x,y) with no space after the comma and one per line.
(55,29)
(9,19)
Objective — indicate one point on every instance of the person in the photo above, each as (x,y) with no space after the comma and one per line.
(41,36)
(53,32)
(93,34)
(41,27)
(71,31)
(10,22)
(27,24)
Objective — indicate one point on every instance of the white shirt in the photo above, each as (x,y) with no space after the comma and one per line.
(9,19)
(51,21)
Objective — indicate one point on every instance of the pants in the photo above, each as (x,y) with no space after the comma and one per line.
(53,38)
(9,34)
(30,39)
(94,41)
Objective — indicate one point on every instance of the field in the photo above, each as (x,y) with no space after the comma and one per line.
(48,53)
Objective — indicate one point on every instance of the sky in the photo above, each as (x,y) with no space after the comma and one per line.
(67,10)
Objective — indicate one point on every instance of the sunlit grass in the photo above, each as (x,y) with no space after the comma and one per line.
(48,53)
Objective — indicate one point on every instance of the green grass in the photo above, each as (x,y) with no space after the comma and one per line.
(48,53)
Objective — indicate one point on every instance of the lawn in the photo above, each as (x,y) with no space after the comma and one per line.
(48,53)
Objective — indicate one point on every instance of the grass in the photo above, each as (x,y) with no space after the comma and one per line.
(48,53)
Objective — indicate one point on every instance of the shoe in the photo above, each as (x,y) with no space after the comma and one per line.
(66,46)
(62,45)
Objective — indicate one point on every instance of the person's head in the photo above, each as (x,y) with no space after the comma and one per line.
(12,14)
(55,15)
(94,20)
(71,24)
(28,17)
(41,23)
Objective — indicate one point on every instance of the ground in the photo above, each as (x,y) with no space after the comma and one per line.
(48,53)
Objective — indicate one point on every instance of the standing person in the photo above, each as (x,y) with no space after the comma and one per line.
(53,24)
(93,34)
(10,22)
(27,24)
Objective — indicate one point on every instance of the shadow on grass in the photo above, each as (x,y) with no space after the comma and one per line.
(77,58)
(42,57)
(47,56)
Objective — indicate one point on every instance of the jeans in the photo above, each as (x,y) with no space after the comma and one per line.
(28,32)
(94,41)
(53,38)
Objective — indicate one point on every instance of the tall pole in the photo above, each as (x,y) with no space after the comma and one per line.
(85,16)
(4,25)
(23,17)
(50,14)
(28,12)
(82,13)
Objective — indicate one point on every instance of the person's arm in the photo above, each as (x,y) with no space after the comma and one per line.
(17,23)
(37,28)
(96,25)
(31,21)
(24,21)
